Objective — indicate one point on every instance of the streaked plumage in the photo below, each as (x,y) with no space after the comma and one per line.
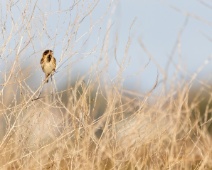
(48,62)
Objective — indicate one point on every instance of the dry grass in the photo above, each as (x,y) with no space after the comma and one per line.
(93,123)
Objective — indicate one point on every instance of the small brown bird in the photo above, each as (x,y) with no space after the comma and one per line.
(48,63)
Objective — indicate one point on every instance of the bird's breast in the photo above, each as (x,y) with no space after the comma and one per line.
(48,67)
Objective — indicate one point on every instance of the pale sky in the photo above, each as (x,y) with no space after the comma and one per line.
(161,25)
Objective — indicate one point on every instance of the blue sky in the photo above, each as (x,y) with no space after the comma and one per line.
(159,25)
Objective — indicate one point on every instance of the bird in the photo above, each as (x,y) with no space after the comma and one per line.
(48,63)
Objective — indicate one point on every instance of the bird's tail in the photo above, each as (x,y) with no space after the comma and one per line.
(47,78)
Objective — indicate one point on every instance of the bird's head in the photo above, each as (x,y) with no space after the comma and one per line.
(48,55)
(47,52)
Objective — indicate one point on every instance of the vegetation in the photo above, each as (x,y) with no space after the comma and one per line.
(90,120)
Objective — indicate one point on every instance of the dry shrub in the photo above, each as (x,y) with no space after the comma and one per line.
(93,123)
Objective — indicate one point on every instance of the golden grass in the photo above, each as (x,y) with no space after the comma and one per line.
(94,123)
(82,127)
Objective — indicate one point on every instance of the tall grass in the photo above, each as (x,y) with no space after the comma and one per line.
(90,121)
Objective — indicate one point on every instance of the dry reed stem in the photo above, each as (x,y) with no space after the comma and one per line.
(94,123)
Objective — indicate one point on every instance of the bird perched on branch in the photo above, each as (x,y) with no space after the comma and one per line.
(48,63)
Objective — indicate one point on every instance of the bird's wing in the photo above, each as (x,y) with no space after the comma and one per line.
(42,60)
(54,61)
